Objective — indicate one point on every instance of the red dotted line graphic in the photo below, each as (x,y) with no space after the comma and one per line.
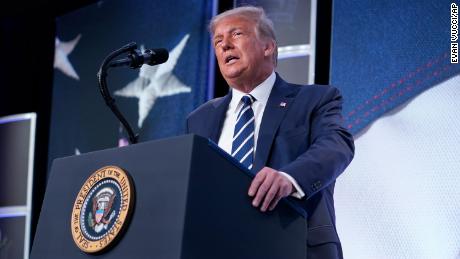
(387,101)
(402,85)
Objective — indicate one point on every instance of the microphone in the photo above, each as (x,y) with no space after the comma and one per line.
(136,58)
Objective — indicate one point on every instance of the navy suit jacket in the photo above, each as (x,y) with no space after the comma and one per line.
(303,138)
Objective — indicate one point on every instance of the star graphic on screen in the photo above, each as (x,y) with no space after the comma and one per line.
(61,61)
(154,82)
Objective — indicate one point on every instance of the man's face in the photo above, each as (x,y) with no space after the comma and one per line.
(241,55)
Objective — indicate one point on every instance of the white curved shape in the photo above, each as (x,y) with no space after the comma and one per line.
(400,197)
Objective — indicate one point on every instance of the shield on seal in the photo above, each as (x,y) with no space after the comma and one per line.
(99,215)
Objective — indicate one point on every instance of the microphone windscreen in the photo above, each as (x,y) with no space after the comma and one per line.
(158,56)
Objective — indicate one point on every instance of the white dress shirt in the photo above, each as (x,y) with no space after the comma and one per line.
(261,94)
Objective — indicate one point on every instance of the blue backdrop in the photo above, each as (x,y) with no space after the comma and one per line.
(155,100)
(386,52)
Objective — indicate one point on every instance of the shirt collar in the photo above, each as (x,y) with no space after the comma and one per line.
(260,92)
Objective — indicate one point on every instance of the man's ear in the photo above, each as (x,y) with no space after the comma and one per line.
(269,48)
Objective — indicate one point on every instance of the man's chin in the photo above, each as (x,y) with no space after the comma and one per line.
(232,74)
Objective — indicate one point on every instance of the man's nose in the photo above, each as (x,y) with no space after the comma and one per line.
(226,44)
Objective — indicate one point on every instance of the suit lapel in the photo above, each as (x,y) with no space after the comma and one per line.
(278,103)
(217,117)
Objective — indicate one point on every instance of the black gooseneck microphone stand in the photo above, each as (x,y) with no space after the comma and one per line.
(102,80)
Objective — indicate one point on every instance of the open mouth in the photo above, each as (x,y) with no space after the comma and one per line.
(230,59)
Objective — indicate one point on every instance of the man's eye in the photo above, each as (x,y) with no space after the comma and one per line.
(217,42)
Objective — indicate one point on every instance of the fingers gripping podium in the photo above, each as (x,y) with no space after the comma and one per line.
(190,202)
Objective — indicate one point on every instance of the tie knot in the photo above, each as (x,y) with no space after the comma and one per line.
(248,99)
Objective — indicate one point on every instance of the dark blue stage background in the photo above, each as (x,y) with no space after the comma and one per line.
(386,52)
(157,101)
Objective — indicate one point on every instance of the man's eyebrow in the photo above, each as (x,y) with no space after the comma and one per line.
(234,29)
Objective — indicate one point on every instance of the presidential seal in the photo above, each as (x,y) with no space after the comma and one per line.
(102,209)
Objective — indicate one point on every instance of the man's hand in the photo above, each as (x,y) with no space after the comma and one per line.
(269,186)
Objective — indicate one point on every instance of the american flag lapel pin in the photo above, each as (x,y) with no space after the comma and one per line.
(282,104)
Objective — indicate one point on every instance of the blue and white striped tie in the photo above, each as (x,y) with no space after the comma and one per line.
(243,136)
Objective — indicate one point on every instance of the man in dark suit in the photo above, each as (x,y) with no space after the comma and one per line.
(289,135)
